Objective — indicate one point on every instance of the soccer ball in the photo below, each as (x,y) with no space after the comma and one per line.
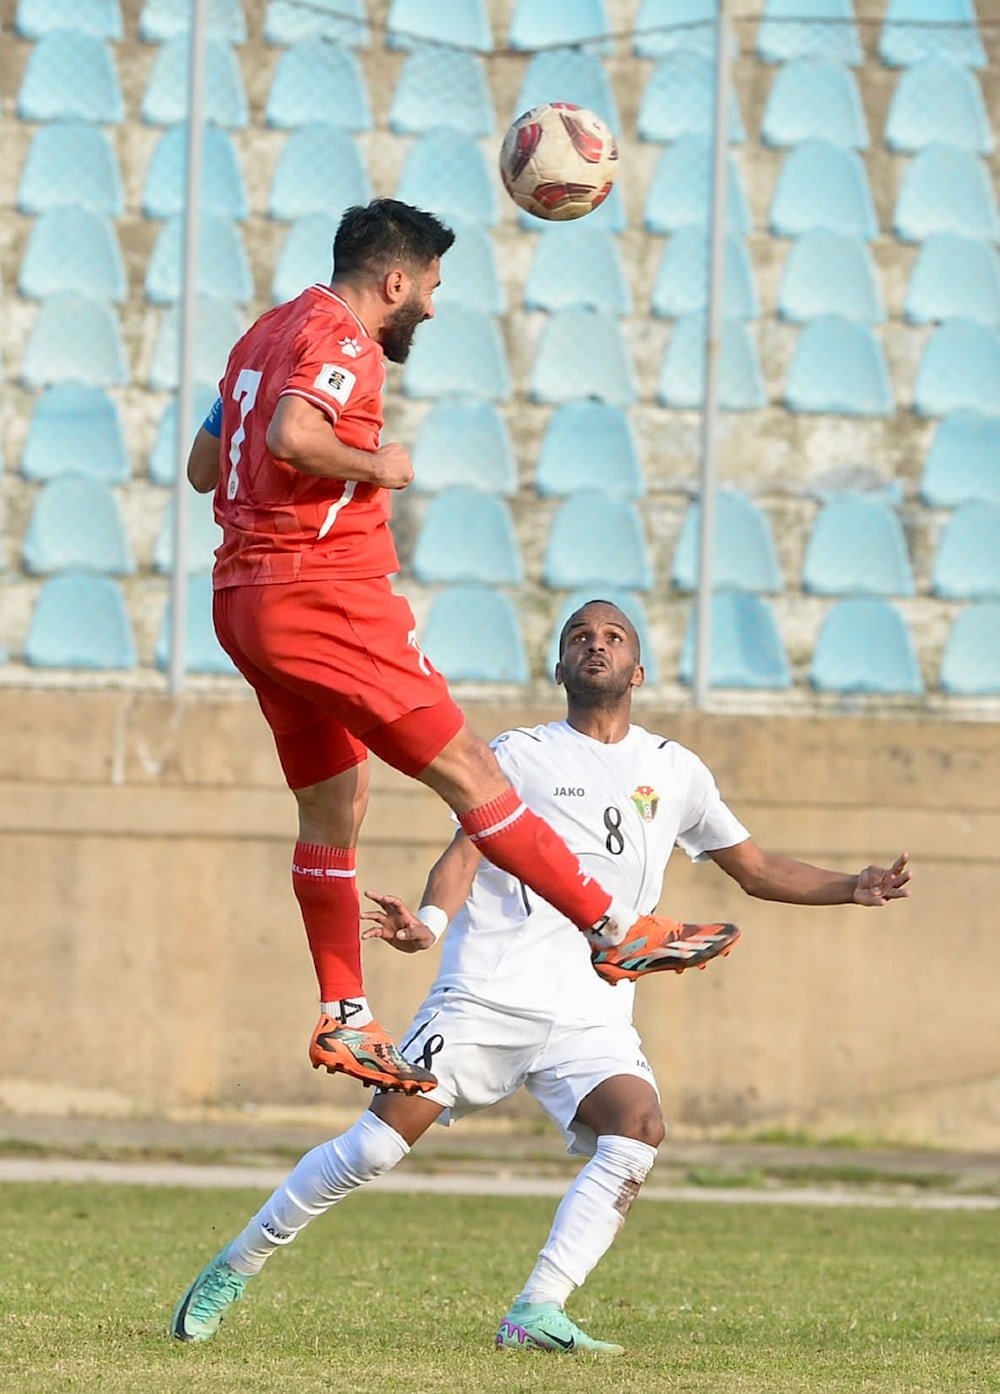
(558,161)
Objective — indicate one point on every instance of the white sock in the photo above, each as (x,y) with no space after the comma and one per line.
(323,1176)
(589,1217)
(613,927)
(349,1011)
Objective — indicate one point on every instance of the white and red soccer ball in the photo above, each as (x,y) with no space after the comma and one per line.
(558,161)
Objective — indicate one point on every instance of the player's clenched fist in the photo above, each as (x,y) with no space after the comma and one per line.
(394,465)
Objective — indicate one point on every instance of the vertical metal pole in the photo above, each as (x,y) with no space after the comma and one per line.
(186,338)
(713,338)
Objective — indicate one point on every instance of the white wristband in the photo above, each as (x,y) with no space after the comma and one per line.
(433,918)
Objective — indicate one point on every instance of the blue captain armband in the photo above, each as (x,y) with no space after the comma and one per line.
(213,421)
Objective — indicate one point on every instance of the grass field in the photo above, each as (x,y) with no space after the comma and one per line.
(402,1294)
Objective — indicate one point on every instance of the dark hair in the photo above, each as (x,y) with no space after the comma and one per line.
(610,605)
(374,237)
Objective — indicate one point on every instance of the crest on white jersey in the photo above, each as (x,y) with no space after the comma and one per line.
(646,800)
(335,381)
(350,348)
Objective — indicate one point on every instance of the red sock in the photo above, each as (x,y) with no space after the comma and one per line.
(325,885)
(519,842)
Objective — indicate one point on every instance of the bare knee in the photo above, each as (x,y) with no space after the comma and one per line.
(645,1126)
(331,813)
(466,773)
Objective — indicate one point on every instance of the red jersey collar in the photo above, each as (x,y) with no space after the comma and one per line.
(341,301)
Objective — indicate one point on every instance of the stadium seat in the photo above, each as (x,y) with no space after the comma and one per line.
(963,463)
(839,369)
(959,370)
(464,23)
(679,100)
(918,29)
(101,19)
(468,536)
(582,354)
(791,29)
(967,564)
(75,523)
(163,457)
(287,22)
(577,266)
(69,75)
(204,535)
(202,651)
(306,256)
(445,172)
(567,22)
(681,284)
(459,352)
(954,276)
(464,442)
(823,185)
(71,163)
(681,189)
(80,621)
(319,170)
(470,276)
(165,101)
(681,381)
(597,540)
(162,20)
(663,25)
(223,264)
(442,87)
(75,339)
(938,101)
(865,646)
(75,429)
(946,190)
(222,191)
(217,327)
(577,77)
(814,99)
(743,555)
(631,605)
(589,445)
(473,634)
(828,273)
(970,666)
(745,648)
(857,547)
(72,249)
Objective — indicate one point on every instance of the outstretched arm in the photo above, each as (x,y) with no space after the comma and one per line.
(448,885)
(769,876)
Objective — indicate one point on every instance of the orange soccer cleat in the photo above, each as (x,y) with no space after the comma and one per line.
(655,944)
(366,1053)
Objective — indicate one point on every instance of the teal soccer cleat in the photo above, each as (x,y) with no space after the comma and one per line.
(207,1300)
(545,1326)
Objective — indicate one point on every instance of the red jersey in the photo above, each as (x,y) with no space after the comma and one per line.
(279,524)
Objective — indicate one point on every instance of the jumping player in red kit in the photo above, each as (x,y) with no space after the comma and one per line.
(304,608)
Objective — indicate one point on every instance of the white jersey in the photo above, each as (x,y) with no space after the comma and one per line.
(621,808)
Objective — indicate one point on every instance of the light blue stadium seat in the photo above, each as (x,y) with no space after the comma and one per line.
(823,185)
(970,666)
(967,564)
(306,256)
(959,370)
(576,77)
(577,266)
(162,20)
(745,649)
(938,101)
(814,99)
(743,555)
(681,284)
(165,100)
(202,651)
(75,339)
(560,22)
(442,87)
(839,369)
(80,621)
(597,540)
(223,264)
(963,462)
(948,30)
(469,273)
(827,273)
(71,163)
(464,442)
(75,429)
(319,170)
(101,19)
(72,249)
(222,192)
(954,276)
(204,535)
(679,100)
(163,457)
(610,215)
(946,190)
(865,646)
(473,634)
(589,445)
(468,536)
(681,382)
(464,23)
(582,353)
(631,605)
(217,327)
(287,22)
(857,547)
(663,25)
(445,172)
(70,74)
(793,29)
(458,353)
(75,524)
(680,189)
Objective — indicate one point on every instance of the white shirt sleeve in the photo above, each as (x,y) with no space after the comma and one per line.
(710,823)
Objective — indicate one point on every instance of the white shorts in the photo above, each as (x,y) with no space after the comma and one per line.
(482,1053)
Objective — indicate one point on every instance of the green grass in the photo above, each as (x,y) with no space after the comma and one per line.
(401,1295)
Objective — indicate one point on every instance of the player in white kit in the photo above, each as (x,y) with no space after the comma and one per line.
(517,1002)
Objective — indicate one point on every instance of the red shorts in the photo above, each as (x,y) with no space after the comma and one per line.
(337,672)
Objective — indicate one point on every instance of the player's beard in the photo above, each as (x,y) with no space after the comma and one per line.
(397,333)
(605,688)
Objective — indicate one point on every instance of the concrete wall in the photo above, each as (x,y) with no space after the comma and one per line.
(155,963)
